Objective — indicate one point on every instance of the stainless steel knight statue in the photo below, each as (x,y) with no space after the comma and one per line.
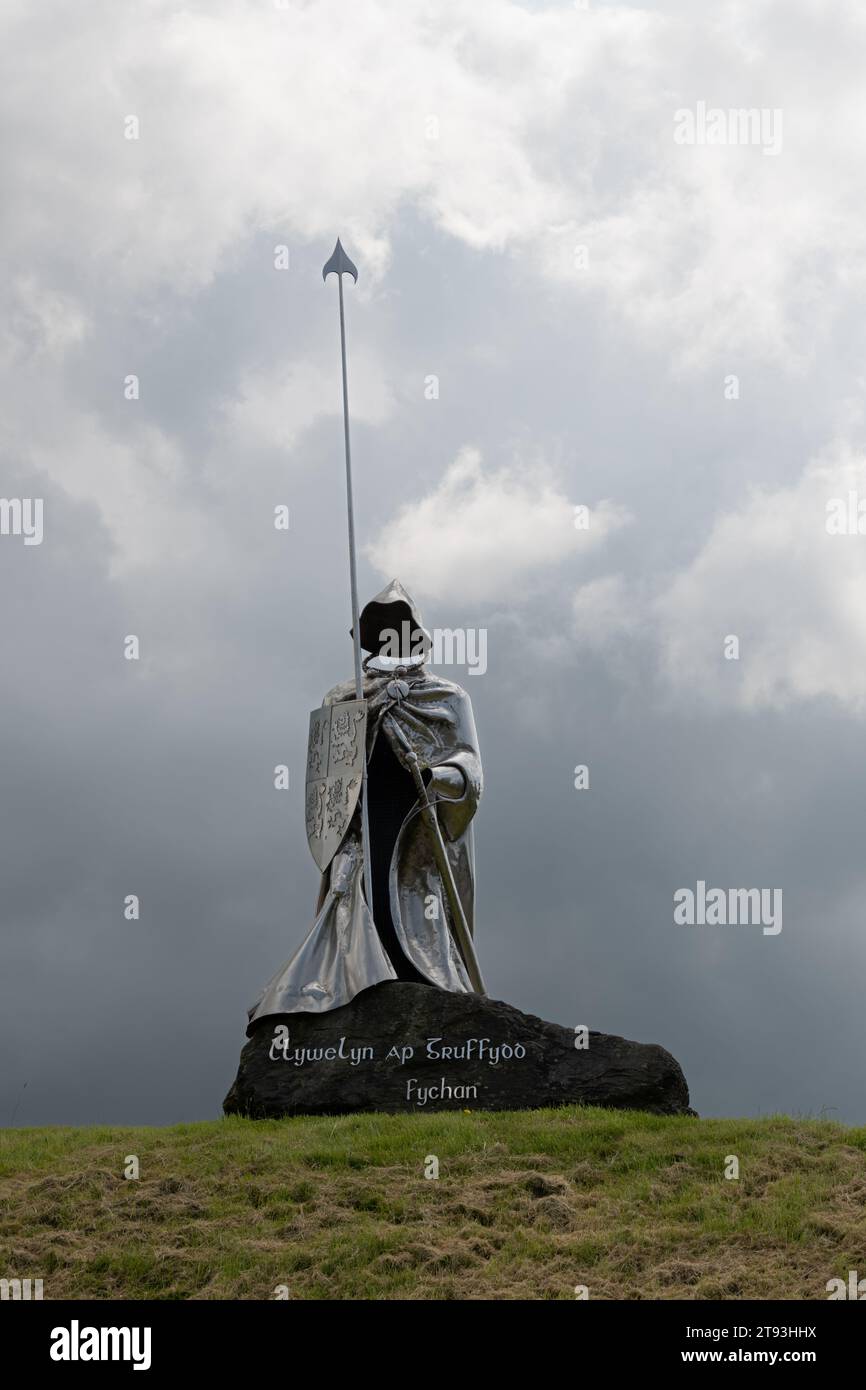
(414,921)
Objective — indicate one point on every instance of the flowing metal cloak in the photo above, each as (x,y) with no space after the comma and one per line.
(346,950)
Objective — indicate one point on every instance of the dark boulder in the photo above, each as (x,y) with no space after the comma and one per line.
(401,1047)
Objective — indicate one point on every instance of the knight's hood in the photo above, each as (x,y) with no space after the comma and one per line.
(386,613)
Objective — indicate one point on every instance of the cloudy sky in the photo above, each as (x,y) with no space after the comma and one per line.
(625,309)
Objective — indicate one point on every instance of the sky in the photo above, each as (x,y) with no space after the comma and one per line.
(583,283)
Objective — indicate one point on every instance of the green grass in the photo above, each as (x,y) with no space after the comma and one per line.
(528,1204)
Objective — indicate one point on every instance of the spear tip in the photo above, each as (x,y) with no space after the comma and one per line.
(340,264)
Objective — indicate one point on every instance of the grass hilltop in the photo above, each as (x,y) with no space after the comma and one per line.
(528,1204)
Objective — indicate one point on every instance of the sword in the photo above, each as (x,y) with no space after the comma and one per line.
(340,265)
(459,925)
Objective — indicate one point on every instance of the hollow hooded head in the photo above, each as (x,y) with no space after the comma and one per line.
(390,624)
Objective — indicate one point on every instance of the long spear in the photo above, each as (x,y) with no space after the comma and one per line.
(341,265)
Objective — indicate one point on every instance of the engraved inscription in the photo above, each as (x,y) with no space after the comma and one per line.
(480,1053)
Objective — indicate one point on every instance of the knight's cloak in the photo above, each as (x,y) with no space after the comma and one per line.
(407,935)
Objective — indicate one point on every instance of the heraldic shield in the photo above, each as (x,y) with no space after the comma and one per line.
(335,761)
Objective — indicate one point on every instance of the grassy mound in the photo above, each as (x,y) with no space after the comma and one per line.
(528,1204)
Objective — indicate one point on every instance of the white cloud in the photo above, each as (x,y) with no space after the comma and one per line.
(41,322)
(772,575)
(554,127)
(275,406)
(487,534)
(769,574)
(306,118)
(604,612)
(136,482)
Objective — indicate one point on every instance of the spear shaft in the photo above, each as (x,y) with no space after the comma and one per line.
(340,264)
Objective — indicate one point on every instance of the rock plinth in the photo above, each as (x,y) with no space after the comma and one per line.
(401,1047)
